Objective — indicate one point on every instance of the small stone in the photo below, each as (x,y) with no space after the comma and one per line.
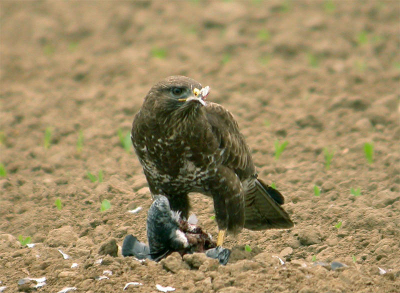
(328,185)
(287,251)
(67,274)
(109,248)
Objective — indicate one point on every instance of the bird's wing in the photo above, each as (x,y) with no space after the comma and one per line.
(234,152)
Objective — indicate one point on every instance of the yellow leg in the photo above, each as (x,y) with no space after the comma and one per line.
(221,235)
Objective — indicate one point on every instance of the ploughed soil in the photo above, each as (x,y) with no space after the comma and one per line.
(321,75)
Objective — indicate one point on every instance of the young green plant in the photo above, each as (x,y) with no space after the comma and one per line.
(279,148)
(317,190)
(93,178)
(159,53)
(125,140)
(79,143)
(105,205)
(314,258)
(3,171)
(369,152)
(47,137)
(338,225)
(328,155)
(24,241)
(247,248)
(58,204)
(355,192)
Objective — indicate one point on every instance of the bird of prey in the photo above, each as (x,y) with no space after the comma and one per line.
(167,232)
(187,144)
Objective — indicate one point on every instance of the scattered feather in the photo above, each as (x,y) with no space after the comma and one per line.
(107,272)
(98,262)
(31,245)
(134,211)
(381,271)
(67,289)
(40,282)
(99,278)
(2,288)
(192,219)
(65,256)
(164,289)
(280,260)
(74,265)
(132,284)
(336,265)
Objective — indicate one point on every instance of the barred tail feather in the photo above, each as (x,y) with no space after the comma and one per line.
(263,210)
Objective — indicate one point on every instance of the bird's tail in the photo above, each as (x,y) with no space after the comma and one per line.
(263,210)
(132,247)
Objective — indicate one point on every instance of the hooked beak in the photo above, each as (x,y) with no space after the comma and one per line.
(199,96)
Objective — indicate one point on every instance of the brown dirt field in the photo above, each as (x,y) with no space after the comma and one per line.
(318,74)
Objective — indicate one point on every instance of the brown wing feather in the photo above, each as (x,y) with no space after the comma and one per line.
(236,154)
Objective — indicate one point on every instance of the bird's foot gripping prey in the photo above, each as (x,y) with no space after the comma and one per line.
(167,233)
(186,145)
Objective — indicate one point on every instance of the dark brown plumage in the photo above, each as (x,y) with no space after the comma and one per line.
(188,145)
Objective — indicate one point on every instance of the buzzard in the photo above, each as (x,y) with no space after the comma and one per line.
(187,144)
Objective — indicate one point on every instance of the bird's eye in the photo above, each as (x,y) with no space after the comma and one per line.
(177,91)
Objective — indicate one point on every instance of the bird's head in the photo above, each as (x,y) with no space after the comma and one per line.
(177,93)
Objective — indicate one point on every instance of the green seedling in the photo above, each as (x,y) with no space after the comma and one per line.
(286,6)
(212,217)
(338,225)
(125,140)
(329,6)
(3,171)
(226,58)
(72,46)
(79,143)
(100,176)
(273,185)
(47,138)
(247,248)
(360,65)
(265,59)
(317,190)
(49,49)
(2,137)
(369,152)
(362,38)
(91,176)
(105,205)
(328,155)
(314,258)
(355,192)
(24,241)
(58,204)
(354,258)
(313,60)
(264,35)
(279,148)
(159,53)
